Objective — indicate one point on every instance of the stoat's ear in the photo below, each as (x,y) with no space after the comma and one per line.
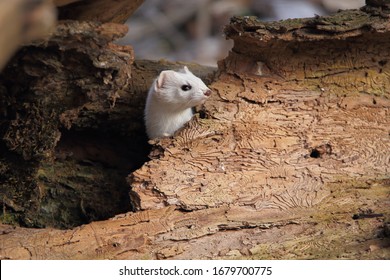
(186,70)
(160,80)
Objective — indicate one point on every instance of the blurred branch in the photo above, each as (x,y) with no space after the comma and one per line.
(162,20)
(99,10)
(60,3)
(22,21)
(378,3)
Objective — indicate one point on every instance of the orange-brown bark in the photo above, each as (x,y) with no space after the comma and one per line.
(290,158)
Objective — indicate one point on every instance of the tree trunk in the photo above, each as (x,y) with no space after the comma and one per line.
(290,158)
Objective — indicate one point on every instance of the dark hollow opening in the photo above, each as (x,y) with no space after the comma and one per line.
(315,153)
(67,145)
(87,180)
(84,182)
(320,151)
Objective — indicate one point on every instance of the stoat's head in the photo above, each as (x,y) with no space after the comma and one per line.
(180,89)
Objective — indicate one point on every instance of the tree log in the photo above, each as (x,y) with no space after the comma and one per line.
(53,96)
(287,119)
(73,126)
(289,159)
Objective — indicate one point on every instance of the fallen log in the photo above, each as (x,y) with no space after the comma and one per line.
(288,159)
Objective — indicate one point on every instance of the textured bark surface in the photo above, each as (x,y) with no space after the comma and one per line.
(72,126)
(290,116)
(59,118)
(289,159)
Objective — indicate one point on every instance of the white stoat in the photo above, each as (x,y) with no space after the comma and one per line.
(170,101)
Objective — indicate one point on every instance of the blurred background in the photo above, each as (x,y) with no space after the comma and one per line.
(192,30)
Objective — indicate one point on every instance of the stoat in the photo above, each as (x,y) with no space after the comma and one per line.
(170,101)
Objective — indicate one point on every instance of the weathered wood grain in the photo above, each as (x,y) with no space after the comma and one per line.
(318,115)
(324,231)
(289,159)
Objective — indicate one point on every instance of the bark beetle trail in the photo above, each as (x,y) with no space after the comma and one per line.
(282,132)
(283,137)
(292,147)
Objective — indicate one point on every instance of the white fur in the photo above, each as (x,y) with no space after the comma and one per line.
(168,106)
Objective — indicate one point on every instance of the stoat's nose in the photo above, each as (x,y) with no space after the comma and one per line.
(207,92)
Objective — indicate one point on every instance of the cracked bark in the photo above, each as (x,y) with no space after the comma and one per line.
(289,151)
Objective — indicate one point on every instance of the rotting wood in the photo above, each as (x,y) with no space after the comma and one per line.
(73,126)
(278,165)
(268,128)
(57,168)
(300,106)
(325,231)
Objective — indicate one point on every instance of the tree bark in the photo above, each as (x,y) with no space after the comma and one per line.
(73,126)
(290,157)
(53,96)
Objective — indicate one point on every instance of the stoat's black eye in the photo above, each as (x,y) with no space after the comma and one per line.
(186,87)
